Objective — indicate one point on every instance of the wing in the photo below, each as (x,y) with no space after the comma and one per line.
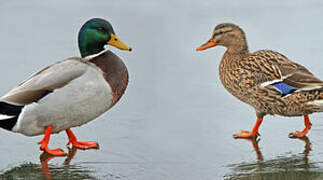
(274,69)
(45,81)
(299,77)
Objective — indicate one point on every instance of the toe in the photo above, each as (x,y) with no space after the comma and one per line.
(245,134)
(296,134)
(86,145)
(56,152)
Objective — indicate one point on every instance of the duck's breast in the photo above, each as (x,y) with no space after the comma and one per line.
(114,71)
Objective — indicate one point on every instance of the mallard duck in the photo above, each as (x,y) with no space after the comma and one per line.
(71,92)
(266,80)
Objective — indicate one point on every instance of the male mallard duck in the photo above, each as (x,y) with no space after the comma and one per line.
(71,92)
(265,79)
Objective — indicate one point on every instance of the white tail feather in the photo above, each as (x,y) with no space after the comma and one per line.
(4,117)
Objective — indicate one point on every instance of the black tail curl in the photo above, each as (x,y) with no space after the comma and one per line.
(9,110)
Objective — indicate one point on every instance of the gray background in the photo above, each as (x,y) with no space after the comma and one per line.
(175,120)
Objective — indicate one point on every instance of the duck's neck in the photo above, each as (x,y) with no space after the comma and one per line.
(235,53)
(240,46)
(87,48)
(89,43)
(229,65)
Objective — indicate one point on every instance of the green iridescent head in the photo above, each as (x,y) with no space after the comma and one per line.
(95,34)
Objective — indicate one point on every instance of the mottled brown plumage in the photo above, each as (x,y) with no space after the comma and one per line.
(253,77)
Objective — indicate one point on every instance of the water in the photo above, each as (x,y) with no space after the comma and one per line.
(175,120)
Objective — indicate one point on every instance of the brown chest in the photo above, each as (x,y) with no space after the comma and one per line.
(230,74)
(114,71)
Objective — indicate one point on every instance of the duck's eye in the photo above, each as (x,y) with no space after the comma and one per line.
(101,29)
(115,39)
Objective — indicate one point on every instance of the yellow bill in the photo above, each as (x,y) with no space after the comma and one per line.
(115,41)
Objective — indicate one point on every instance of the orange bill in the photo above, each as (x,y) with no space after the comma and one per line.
(207,45)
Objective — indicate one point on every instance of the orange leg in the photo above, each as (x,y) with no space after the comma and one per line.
(254,133)
(44,144)
(81,145)
(300,134)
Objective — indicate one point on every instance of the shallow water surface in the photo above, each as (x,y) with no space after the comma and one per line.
(175,120)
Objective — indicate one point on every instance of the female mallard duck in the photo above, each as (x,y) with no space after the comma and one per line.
(71,92)
(265,79)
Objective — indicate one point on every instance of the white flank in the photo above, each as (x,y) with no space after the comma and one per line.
(21,115)
(4,117)
(80,101)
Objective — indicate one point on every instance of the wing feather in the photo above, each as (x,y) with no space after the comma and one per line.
(290,73)
(50,78)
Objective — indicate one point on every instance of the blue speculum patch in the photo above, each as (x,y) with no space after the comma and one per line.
(284,88)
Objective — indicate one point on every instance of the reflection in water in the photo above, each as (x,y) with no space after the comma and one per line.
(255,147)
(295,167)
(49,172)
